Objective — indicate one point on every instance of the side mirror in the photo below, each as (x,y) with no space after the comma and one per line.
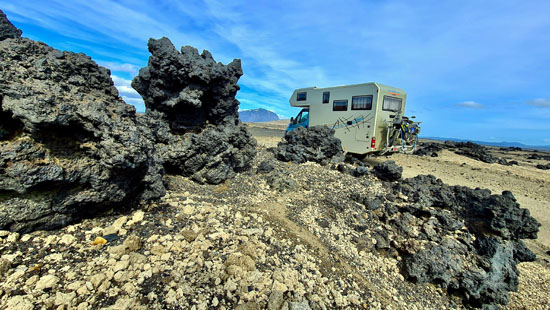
(292,120)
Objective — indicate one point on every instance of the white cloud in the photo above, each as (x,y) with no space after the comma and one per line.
(123,67)
(269,62)
(469,105)
(540,102)
(119,81)
(128,94)
(126,91)
(136,102)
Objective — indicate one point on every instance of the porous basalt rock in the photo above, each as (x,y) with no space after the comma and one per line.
(428,149)
(266,166)
(466,240)
(388,171)
(187,88)
(69,145)
(538,156)
(316,144)
(358,171)
(191,113)
(7,29)
(475,151)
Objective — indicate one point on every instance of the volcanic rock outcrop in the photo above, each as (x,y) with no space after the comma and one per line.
(69,146)
(538,156)
(388,171)
(475,151)
(466,240)
(191,114)
(316,144)
(7,29)
(428,149)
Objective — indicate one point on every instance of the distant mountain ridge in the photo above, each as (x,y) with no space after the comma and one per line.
(258,115)
(498,144)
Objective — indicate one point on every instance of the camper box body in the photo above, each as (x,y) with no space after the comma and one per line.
(360,114)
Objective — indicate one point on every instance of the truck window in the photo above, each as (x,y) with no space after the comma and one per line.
(361,102)
(392,104)
(301,96)
(340,105)
(326,97)
(303,117)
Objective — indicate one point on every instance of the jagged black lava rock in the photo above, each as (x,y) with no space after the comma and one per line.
(466,240)
(191,113)
(428,149)
(316,144)
(371,203)
(360,171)
(266,166)
(388,171)
(69,145)
(7,29)
(543,167)
(538,156)
(476,151)
(187,88)
(357,172)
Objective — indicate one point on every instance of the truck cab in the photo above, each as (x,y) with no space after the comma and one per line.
(301,120)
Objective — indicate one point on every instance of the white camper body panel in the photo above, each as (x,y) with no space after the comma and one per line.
(347,110)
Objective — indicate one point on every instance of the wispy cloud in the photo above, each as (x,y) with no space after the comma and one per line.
(469,105)
(138,103)
(124,67)
(128,94)
(540,102)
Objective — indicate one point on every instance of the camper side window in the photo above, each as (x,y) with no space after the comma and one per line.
(301,96)
(361,102)
(326,97)
(392,104)
(340,105)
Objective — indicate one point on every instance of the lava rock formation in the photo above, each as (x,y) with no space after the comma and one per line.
(69,145)
(316,144)
(388,171)
(7,29)
(191,113)
(428,149)
(466,240)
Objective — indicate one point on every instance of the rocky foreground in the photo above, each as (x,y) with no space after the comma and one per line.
(259,241)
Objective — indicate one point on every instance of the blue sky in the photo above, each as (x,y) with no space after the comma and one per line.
(477,70)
